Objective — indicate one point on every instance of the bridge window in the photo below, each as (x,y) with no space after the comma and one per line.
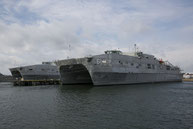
(149,66)
(167,67)
(113,52)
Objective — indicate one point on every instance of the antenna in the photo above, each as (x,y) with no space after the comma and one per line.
(68,56)
(129,48)
(135,47)
(69,50)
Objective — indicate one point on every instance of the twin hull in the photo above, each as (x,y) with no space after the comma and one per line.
(80,71)
(36,72)
(105,69)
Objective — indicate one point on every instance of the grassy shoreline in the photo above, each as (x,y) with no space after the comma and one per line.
(188,80)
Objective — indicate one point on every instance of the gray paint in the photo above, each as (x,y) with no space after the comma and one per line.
(44,71)
(114,67)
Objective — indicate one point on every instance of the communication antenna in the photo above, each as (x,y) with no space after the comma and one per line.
(69,46)
(138,49)
(135,47)
(129,49)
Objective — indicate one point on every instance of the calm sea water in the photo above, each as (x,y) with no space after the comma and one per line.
(149,106)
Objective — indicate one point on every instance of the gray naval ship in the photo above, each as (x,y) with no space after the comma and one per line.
(44,71)
(115,67)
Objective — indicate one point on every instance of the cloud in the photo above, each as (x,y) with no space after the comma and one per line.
(34,31)
(31,44)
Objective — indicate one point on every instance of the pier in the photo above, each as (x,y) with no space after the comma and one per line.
(35,82)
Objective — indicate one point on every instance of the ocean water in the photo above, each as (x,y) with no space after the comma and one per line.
(144,106)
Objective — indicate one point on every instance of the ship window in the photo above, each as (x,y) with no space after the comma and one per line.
(132,64)
(167,67)
(120,62)
(114,51)
(30,69)
(89,59)
(43,69)
(98,61)
(147,57)
(149,66)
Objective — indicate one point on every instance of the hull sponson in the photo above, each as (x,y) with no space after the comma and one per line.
(104,78)
(15,73)
(75,74)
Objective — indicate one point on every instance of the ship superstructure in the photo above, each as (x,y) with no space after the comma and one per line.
(115,67)
(44,71)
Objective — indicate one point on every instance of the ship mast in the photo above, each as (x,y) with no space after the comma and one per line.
(68,56)
(135,48)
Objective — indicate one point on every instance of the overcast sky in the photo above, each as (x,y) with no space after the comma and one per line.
(32,31)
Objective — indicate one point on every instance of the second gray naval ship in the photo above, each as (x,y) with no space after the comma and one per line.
(44,71)
(116,67)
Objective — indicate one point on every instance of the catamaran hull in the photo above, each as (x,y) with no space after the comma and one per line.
(116,68)
(77,74)
(36,72)
(133,78)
